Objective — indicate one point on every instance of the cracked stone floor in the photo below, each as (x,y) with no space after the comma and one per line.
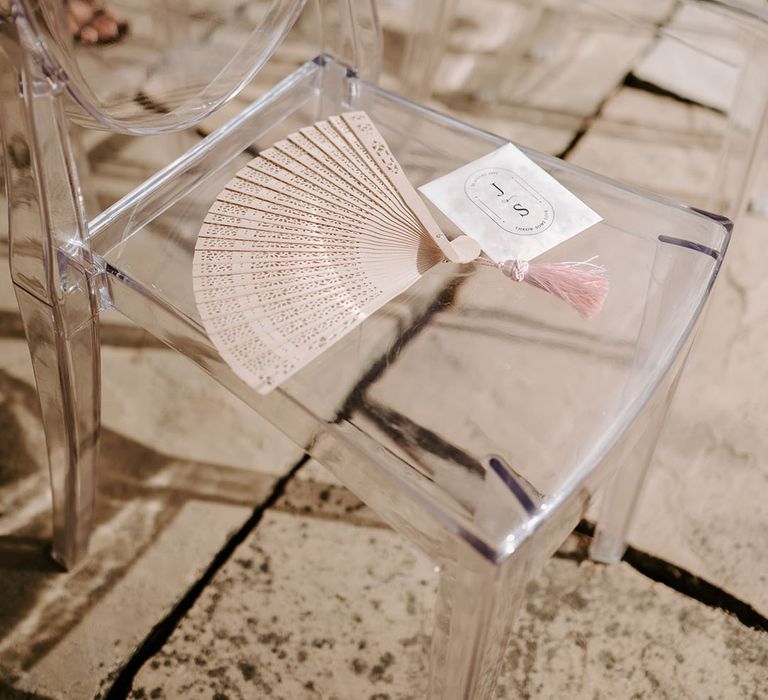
(226,565)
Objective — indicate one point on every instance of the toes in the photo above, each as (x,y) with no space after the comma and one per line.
(105,26)
(89,35)
(90,24)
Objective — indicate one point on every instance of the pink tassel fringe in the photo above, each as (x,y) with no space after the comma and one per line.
(583,285)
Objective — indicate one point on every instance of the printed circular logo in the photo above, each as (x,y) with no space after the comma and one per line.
(509,201)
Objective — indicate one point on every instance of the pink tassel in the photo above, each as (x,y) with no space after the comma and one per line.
(583,285)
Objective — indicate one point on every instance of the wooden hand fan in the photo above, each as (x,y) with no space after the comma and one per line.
(308,240)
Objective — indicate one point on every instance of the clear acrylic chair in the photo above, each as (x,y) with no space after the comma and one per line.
(477,417)
(422,28)
(713,54)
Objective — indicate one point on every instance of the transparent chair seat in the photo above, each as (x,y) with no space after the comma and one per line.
(468,402)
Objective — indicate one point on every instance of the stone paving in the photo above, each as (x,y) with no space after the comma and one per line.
(225,565)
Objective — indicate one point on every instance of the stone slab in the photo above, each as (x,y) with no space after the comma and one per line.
(570,68)
(164,401)
(590,631)
(698,56)
(357,619)
(310,608)
(113,621)
(634,107)
(684,169)
(535,129)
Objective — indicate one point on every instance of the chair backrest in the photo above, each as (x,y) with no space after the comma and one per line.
(181,59)
(173,71)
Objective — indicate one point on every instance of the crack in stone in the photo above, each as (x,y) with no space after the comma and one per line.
(632,81)
(406,432)
(356,398)
(163,630)
(629,80)
(685,582)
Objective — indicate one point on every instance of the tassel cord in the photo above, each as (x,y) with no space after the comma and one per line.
(583,285)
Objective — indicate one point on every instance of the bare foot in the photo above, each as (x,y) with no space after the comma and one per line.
(92,24)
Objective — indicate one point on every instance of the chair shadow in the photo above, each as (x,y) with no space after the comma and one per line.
(28,574)
(20,553)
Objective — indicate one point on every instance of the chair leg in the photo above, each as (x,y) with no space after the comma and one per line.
(425,46)
(622,492)
(68,376)
(473,620)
